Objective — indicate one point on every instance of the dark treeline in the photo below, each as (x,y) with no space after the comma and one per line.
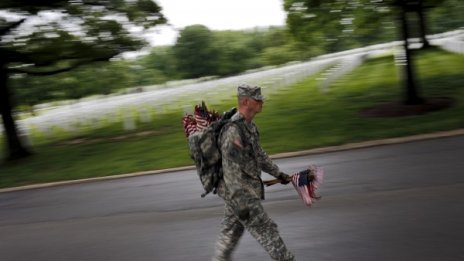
(200,52)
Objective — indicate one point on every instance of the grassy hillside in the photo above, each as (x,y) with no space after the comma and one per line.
(298,117)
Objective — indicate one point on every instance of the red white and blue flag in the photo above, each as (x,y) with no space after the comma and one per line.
(200,119)
(306,183)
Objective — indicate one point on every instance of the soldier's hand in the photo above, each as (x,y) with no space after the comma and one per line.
(284,178)
(311,177)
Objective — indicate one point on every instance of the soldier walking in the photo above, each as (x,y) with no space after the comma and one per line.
(242,189)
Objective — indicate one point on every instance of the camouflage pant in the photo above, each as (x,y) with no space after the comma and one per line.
(256,221)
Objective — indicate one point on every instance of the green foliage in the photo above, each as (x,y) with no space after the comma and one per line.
(335,25)
(243,50)
(81,33)
(342,25)
(280,54)
(278,47)
(195,53)
(447,16)
(338,25)
(51,37)
(234,54)
(160,60)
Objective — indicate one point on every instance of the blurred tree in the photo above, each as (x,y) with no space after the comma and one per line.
(28,96)
(447,16)
(335,25)
(195,53)
(244,50)
(280,48)
(74,84)
(52,36)
(330,21)
(162,63)
(234,56)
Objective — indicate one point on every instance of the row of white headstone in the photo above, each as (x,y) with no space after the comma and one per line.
(131,109)
(134,108)
(452,41)
(456,45)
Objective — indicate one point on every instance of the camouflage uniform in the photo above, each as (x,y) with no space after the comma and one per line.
(242,190)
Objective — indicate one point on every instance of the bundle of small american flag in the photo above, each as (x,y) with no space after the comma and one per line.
(305,182)
(199,120)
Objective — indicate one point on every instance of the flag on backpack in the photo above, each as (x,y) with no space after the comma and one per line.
(199,120)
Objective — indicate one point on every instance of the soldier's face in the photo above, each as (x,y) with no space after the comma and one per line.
(256,105)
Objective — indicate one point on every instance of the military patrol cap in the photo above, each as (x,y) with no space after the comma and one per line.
(250,91)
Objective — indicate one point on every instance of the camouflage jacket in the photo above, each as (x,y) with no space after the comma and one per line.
(243,159)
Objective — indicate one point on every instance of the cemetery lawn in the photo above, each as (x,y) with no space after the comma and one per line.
(298,117)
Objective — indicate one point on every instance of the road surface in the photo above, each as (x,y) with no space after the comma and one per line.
(393,202)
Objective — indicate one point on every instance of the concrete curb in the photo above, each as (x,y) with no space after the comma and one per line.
(344,147)
(366,144)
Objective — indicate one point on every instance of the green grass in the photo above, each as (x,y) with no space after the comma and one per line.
(295,118)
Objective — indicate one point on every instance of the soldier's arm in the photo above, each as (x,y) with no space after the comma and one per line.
(267,165)
(233,157)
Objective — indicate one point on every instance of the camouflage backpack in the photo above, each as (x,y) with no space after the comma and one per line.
(206,154)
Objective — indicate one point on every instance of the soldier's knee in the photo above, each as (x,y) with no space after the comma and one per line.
(243,214)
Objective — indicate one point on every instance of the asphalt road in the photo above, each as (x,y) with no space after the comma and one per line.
(392,202)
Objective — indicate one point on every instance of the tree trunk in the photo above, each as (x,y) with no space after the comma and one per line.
(412,96)
(14,147)
(422,25)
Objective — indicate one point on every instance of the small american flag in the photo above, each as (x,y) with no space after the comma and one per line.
(200,119)
(306,183)
(190,125)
